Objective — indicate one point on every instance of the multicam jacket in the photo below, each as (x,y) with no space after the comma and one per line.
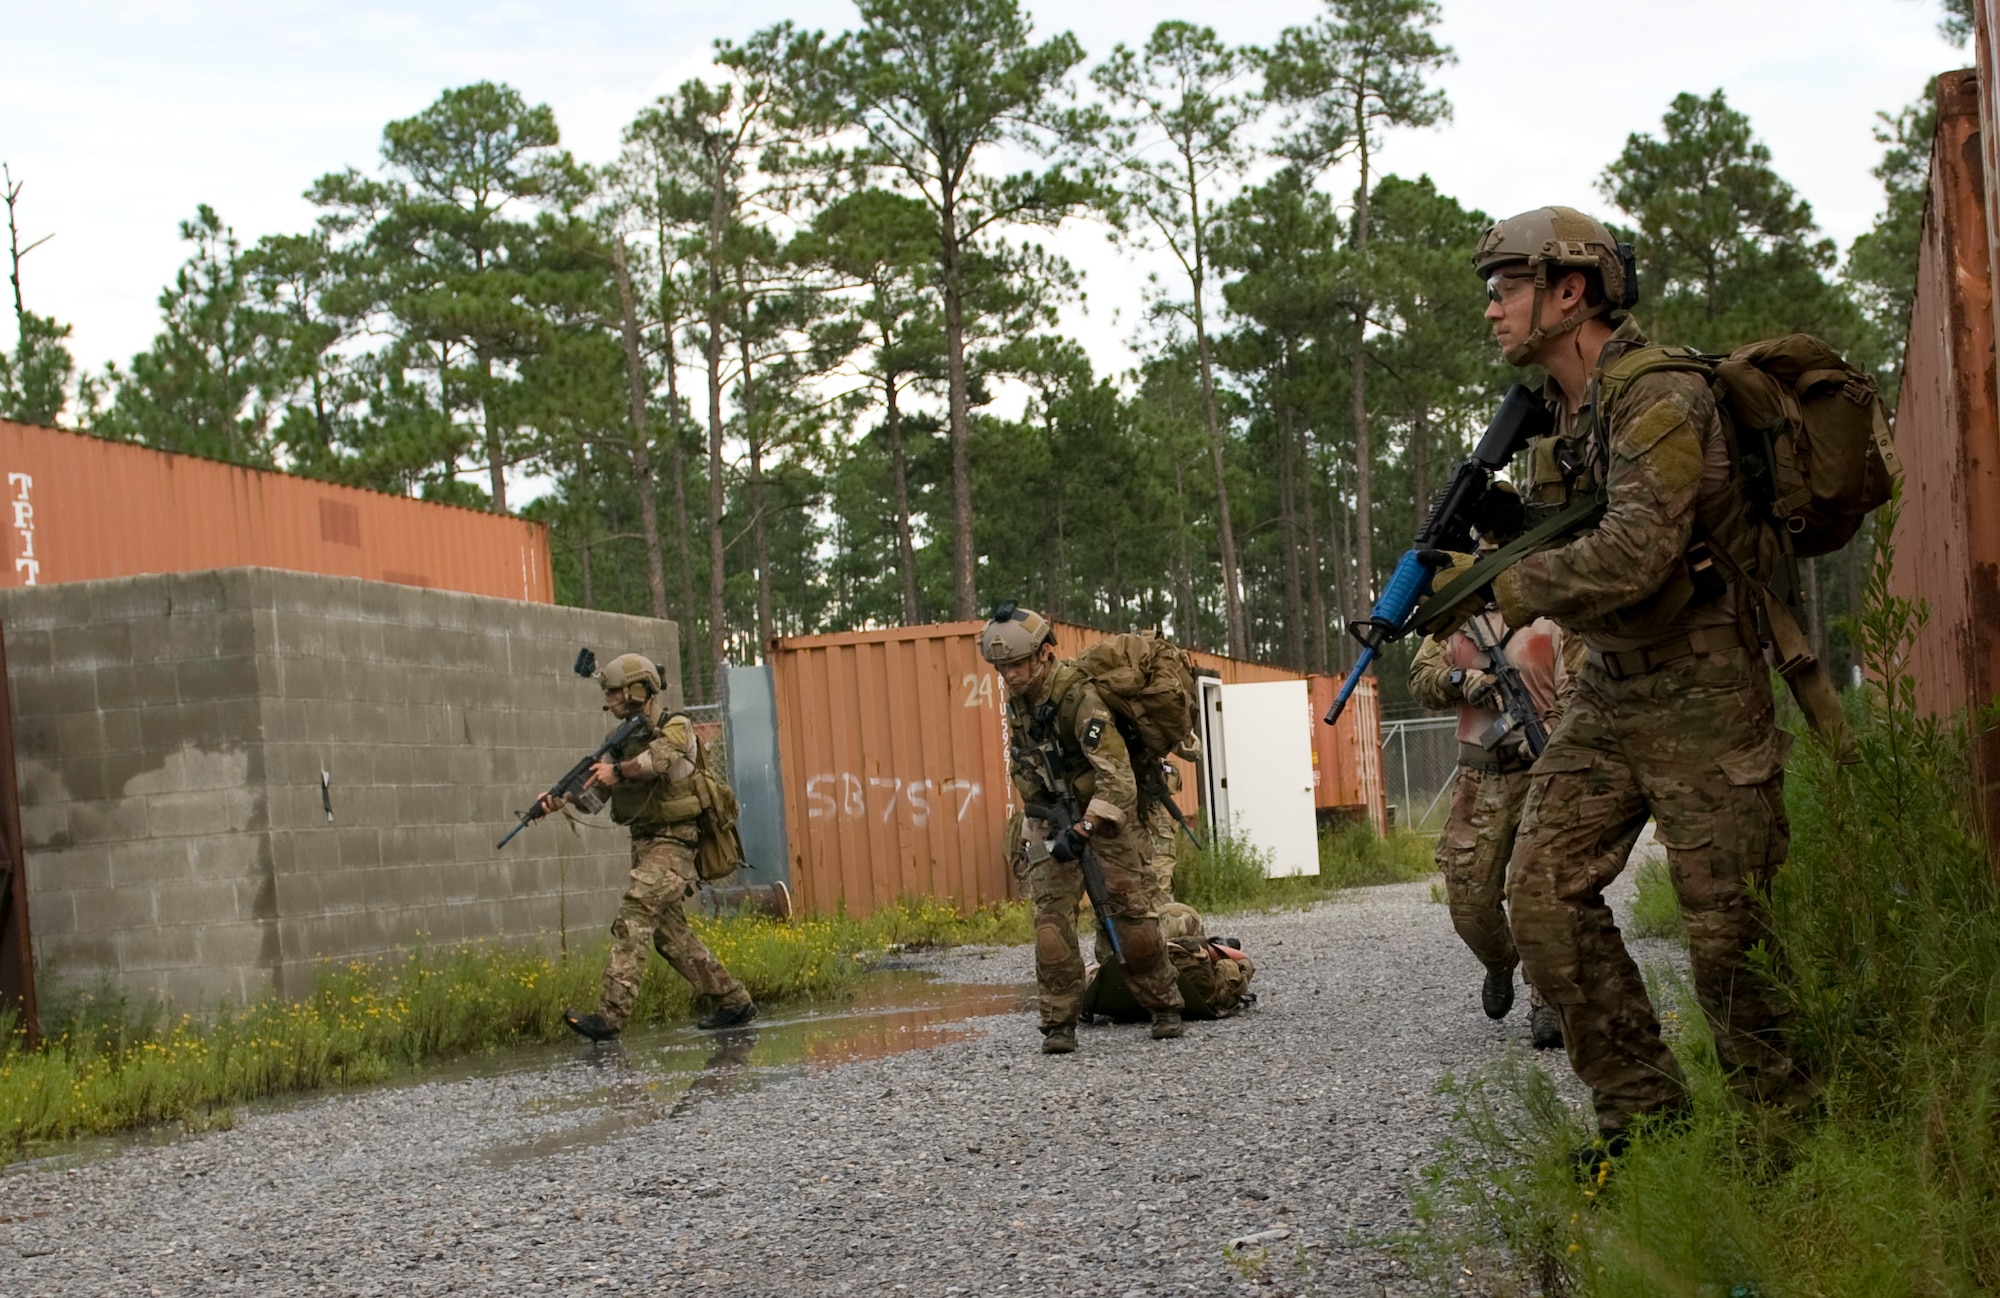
(1641,575)
(1071,735)
(663,796)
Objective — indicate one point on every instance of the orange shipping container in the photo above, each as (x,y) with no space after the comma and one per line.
(80,508)
(893,748)
(1948,537)
(1347,758)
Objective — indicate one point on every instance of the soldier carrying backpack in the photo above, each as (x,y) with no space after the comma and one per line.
(683,821)
(1669,588)
(1069,753)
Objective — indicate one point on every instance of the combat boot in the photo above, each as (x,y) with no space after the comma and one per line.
(727,1017)
(1545,1028)
(1592,1163)
(594,1027)
(1167,1025)
(1496,994)
(1059,1040)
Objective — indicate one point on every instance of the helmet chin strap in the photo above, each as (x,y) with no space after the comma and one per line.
(1523,353)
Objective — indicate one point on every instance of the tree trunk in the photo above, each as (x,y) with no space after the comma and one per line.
(906,547)
(684,531)
(496,453)
(642,444)
(1288,536)
(1187,627)
(1338,535)
(760,536)
(1364,455)
(964,562)
(1315,568)
(716,608)
(1420,458)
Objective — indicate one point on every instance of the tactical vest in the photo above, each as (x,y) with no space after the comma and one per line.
(656,803)
(1066,689)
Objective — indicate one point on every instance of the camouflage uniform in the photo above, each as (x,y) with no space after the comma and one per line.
(1071,738)
(1214,981)
(1671,718)
(1490,785)
(660,807)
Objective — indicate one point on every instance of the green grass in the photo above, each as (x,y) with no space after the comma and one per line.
(1888,915)
(1231,877)
(105,1067)
(1657,910)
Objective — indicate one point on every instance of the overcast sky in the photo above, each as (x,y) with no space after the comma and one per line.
(121,117)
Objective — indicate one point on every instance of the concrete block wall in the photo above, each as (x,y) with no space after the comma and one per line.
(172,730)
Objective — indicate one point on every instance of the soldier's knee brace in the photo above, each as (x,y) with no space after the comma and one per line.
(1051,944)
(621,929)
(1141,941)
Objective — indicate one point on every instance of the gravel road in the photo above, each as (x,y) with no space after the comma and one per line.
(892,1147)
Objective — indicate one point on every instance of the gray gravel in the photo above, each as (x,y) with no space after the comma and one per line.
(971,1164)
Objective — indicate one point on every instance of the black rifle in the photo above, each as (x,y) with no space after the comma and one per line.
(576,783)
(1153,788)
(1454,523)
(1517,710)
(1061,815)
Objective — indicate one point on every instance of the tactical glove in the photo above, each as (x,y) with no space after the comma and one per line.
(1067,846)
(1477,688)
(1446,567)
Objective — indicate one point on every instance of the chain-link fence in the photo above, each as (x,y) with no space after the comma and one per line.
(1419,757)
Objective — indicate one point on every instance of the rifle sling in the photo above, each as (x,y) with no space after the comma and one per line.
(1574,518)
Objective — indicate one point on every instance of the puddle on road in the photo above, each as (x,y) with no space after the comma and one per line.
(660,1073)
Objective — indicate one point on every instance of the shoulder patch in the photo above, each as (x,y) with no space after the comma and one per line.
(1093,732)
(1643,433)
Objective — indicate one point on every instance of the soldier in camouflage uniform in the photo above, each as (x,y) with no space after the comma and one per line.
(1214,976)
(1671,716)
(651,791)
(1491,785)
(1067,749)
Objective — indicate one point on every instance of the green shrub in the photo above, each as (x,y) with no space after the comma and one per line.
(104,1065)
(1888,919)
(1656,912)
(1228,875)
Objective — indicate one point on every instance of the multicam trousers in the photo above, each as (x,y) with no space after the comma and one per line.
(1694,745)
(1160,855)
(663,876)
(1472,854)
(1058,887)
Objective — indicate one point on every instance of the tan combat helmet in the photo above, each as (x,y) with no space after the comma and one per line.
(629,670)
(1566,239)
(1178,919)
(1013,634)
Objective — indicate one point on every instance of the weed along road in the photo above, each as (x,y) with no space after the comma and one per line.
(912,1141)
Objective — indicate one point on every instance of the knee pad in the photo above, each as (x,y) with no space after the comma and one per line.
(660,945)
(621,929)
(1050,945)
(1141,940)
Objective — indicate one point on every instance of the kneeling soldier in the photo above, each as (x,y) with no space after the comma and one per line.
(1067,750)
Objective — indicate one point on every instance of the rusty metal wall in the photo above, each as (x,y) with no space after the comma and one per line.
(1347,758)
(17,954)
(893,748)
(79,508)
(1947,436)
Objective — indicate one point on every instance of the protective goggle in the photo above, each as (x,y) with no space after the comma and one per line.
(1495,284)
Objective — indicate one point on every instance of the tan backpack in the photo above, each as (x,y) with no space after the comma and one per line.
(1807,432)
(719,853)
(1148,683)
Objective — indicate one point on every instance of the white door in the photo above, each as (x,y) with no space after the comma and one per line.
(1214,782)
(1265,776)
